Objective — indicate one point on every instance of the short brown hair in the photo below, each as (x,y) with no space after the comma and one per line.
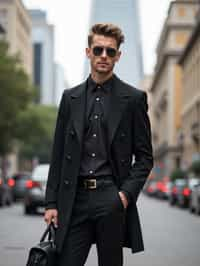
(108,30)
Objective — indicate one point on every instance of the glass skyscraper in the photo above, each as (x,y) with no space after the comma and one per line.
(125,14)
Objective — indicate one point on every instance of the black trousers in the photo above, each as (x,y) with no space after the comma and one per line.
(98,215)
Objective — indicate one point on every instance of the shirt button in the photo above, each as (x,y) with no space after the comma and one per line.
(93,154)
(96,117)
(97,99)
(66,182)
(94,135)
(91,172)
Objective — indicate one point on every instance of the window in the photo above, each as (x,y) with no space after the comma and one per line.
(181,11)
(181,38)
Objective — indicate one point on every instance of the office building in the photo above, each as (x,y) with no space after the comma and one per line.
(43,55)
(16,22)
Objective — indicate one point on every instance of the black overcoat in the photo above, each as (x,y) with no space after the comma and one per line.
(130,154)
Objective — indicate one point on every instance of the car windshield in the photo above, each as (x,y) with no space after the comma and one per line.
(180,182)
(193,182)
(40,172)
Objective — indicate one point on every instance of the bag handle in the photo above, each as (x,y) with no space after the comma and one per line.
(50,230)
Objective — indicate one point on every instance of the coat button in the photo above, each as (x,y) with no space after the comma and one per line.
(72,133)
(68,157)
(123,135)
(124,161)
(66,182)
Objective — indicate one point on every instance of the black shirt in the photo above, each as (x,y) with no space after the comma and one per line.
(94,161)
(95,156)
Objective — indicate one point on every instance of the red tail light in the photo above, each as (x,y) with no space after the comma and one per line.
(186,192)
(159,186)
(150,189)
(11,182)
(1,182)
(174,190)
(32,184)
(164,188)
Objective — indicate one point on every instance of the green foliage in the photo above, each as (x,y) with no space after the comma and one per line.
(195,167)
(178,174)
(35,128)
(16,92)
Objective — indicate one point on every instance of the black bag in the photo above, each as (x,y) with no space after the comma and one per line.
(44,253)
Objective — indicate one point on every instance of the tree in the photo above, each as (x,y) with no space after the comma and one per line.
(35,131)
(16,92)
(178,174)
(195,167)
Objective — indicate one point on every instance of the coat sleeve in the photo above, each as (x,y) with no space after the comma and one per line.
(142,148)
(56,157)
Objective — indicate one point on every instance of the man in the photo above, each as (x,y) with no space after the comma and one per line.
(93,185)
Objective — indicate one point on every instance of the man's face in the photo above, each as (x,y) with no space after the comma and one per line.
(101,54)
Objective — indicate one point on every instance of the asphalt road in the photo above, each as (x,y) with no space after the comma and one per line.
(171,236)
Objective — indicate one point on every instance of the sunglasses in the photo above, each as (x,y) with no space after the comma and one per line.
(98,50)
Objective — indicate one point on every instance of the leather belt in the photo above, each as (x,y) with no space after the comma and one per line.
(94,183)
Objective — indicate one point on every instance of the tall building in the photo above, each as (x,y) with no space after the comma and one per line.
(43,54)
(166,86)
(125,14)
(16,23)
(190,111)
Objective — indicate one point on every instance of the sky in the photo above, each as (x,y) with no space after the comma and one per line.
(71,19)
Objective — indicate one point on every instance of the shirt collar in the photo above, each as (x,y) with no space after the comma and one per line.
(105,86)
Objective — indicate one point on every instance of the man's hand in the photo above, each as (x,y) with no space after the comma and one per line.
(51,215)
(123,199)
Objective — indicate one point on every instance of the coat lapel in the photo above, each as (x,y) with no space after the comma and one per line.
(118,103)
(78,100)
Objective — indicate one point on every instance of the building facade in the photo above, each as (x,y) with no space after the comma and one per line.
(166,85)
(16,22)
(145,85)
(125,14)
(190,114)
(2,32)
(43,56)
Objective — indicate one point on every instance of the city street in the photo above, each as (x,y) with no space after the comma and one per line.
(94,90)
(171,236)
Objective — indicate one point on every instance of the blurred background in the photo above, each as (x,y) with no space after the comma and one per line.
(42,52)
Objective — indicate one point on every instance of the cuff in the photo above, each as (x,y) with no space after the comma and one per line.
(50,205)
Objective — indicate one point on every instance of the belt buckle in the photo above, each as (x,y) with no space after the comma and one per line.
(90,183)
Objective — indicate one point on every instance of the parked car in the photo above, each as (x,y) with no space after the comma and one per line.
(19,184)
(165,189)
(35,189)
(150,188)
(194,204)
(5,192)
(158,188)
(176,188)
(184,194)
